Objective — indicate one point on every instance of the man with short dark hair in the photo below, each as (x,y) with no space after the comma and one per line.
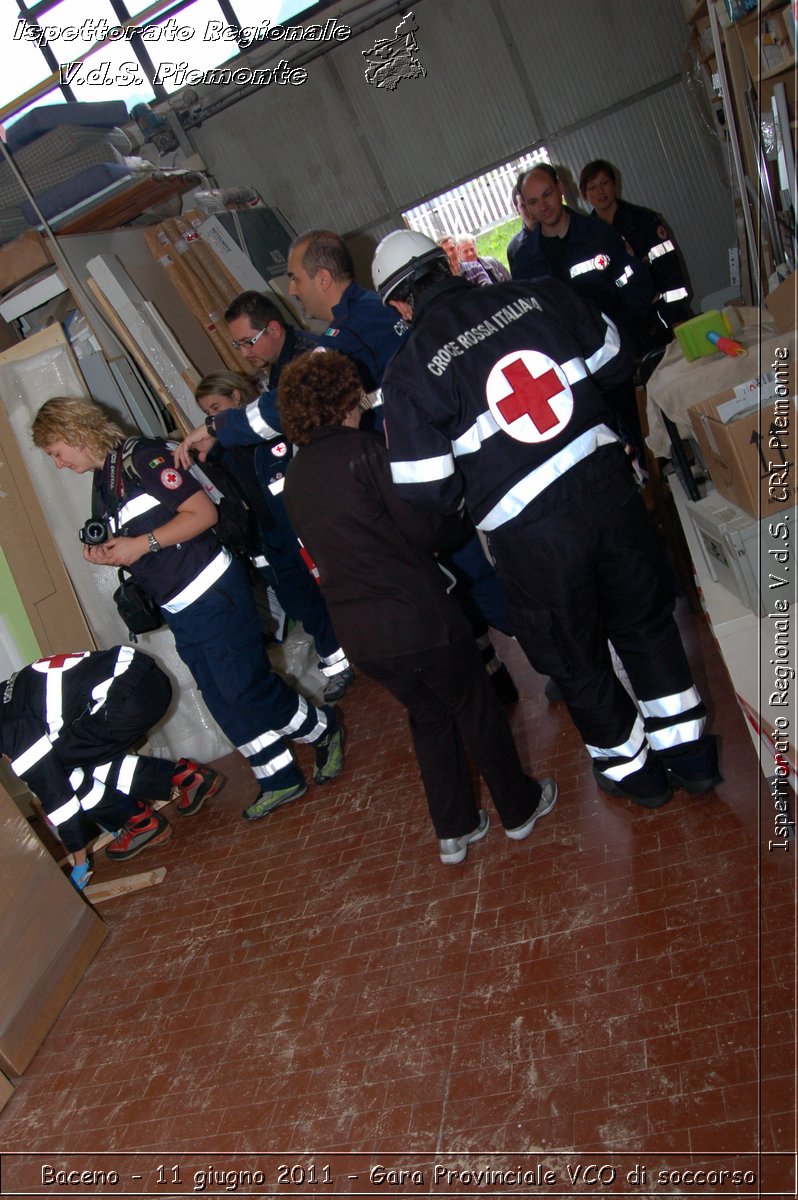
(648,236)
(322,276)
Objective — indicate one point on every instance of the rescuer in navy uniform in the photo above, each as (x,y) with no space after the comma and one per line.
(67,724)
(591,257)
(322,276)
(495,401)
(161,530)
(582,251)
(649,237)
(248,430)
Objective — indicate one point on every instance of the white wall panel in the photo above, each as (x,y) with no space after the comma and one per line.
(471,107)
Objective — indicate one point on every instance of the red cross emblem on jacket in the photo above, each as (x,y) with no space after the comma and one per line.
(59,662)
(529,396)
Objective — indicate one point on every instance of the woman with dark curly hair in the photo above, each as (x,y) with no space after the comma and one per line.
(390,606)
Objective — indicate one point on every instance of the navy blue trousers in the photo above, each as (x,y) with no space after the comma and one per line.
(219,638)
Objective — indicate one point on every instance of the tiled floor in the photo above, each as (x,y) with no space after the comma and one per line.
(318,981)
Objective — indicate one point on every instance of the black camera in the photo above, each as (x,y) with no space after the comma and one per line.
(95,532)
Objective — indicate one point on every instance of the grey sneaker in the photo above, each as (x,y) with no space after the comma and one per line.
(454,850)
(548,798)
(337,686)
(268,801)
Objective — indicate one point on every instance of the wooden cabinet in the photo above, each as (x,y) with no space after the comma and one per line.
(48,936)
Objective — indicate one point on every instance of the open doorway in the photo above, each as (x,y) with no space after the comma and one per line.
(481,206)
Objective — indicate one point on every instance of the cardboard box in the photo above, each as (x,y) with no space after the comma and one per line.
(746,443)
(782,303)
(738,550)
(26,256)
(766,43)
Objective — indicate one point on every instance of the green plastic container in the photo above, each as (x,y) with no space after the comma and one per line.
(692,335)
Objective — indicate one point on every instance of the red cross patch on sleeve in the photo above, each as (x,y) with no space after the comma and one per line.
(172,479)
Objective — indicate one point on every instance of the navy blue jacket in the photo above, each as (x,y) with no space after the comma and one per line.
(366,330)
(652,241)
(593,259)
(496,395)
(148,503)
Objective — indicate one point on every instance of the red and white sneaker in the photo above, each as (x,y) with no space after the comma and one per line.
(192,784)
(147,828)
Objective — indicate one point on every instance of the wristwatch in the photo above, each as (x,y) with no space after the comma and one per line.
(153,543)
(210,425)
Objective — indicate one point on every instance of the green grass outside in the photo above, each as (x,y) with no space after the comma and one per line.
(494,243)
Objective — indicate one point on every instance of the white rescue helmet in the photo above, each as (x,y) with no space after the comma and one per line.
(400,257)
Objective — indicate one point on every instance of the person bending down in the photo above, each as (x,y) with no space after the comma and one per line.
(67,724)
(258,466)
(160,527)
(388,600)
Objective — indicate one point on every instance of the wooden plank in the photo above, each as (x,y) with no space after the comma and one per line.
(179,419)
(98,893)
(51,335)
(203,280)
(128,204)
(184,281)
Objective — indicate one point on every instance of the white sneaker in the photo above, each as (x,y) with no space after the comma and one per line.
(548,798)
(454,850)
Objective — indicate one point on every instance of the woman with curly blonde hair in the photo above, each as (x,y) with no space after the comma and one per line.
(161,529)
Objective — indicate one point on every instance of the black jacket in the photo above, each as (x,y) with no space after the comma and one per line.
(384,590)
(489,397)
(594,261)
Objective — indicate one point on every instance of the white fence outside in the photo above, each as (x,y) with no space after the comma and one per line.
(475,206)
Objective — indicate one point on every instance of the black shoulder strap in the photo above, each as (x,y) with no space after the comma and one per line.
(96,501)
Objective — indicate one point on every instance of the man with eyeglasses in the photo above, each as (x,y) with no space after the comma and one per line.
(261,336)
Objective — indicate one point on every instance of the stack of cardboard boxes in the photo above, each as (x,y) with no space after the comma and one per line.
(747,439)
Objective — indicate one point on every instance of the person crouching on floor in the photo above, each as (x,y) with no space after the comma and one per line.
(67,725)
